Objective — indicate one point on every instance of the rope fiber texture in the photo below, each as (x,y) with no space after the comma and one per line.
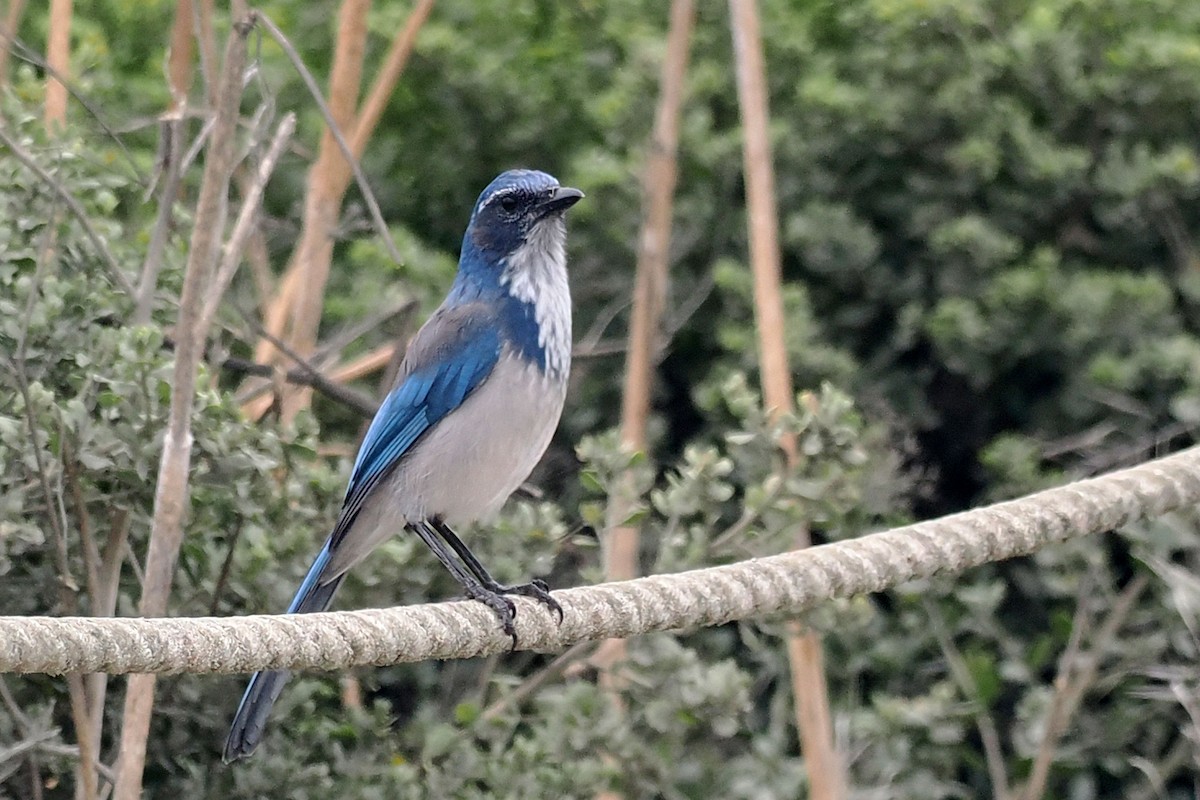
(781,584)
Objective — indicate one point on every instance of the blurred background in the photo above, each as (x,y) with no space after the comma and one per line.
(987,216)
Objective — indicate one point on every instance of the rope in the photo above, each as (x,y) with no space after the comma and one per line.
(781,584)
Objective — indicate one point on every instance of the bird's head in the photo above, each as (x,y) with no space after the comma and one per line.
(514,252)
(519,207)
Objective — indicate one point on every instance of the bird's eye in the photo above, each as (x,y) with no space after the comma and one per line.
(508,203)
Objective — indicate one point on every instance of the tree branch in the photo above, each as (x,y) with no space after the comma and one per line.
(1076,675)
(58,55)
(805,653)
(621,545)
(171,492)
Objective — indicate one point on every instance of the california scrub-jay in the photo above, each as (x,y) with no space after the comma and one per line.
(477,399)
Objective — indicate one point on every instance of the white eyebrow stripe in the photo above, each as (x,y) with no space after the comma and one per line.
(509,190)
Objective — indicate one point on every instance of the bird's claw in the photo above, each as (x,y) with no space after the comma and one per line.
(538,590)
(504,608)
(494,598)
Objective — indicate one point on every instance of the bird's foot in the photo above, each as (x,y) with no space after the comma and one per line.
(493,596)
(504,608)
(538,590)
(535,589)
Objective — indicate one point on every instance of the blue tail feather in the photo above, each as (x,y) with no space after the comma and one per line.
(264,688)
(313,595)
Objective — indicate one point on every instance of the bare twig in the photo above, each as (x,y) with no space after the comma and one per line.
(25,726)
(58,523)
(138,572)
(260,269)
(14,708)
(1076,675)
(202,16)
(58,55)
(307,375)
(226,567)
(171,161)
(179,55)
(87,692)
(1149,446)
(32,742)
(31,57)
(86,772)
(88,756)
(294,315)
(352,694)
(351,331)
(360,177)
(1174,230)
(231,253)
(762,214)
(296,310)
(387,77)
(600,324)
(110,566)
(84,709)
(73,206)
(365,364)
(601,349)
(171,134)
(993,752)
(530,685)
(1160,773)
(747,518)
(91,554)
(1082,442)
(257,256)
(592,346)
(104,604)
(12,21)
(805,653)
(649,293)
(170,500)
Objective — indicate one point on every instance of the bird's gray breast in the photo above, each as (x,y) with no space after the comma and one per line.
(468,464)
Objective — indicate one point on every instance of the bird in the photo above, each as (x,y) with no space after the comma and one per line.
(475,403)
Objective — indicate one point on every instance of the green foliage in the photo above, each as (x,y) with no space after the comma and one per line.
(988,212)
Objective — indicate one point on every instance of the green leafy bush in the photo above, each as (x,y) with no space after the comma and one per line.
(987,216)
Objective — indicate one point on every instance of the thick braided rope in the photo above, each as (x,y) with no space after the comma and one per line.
(784,583)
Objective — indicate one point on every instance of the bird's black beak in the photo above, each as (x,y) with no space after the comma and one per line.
(559,200)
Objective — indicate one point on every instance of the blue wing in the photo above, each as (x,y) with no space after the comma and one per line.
(449,358)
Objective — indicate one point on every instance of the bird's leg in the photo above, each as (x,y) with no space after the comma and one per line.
(536,588)
(474,588)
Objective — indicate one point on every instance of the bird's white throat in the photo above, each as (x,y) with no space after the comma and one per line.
(536,273)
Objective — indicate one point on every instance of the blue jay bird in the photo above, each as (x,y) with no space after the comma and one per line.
(477,399)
